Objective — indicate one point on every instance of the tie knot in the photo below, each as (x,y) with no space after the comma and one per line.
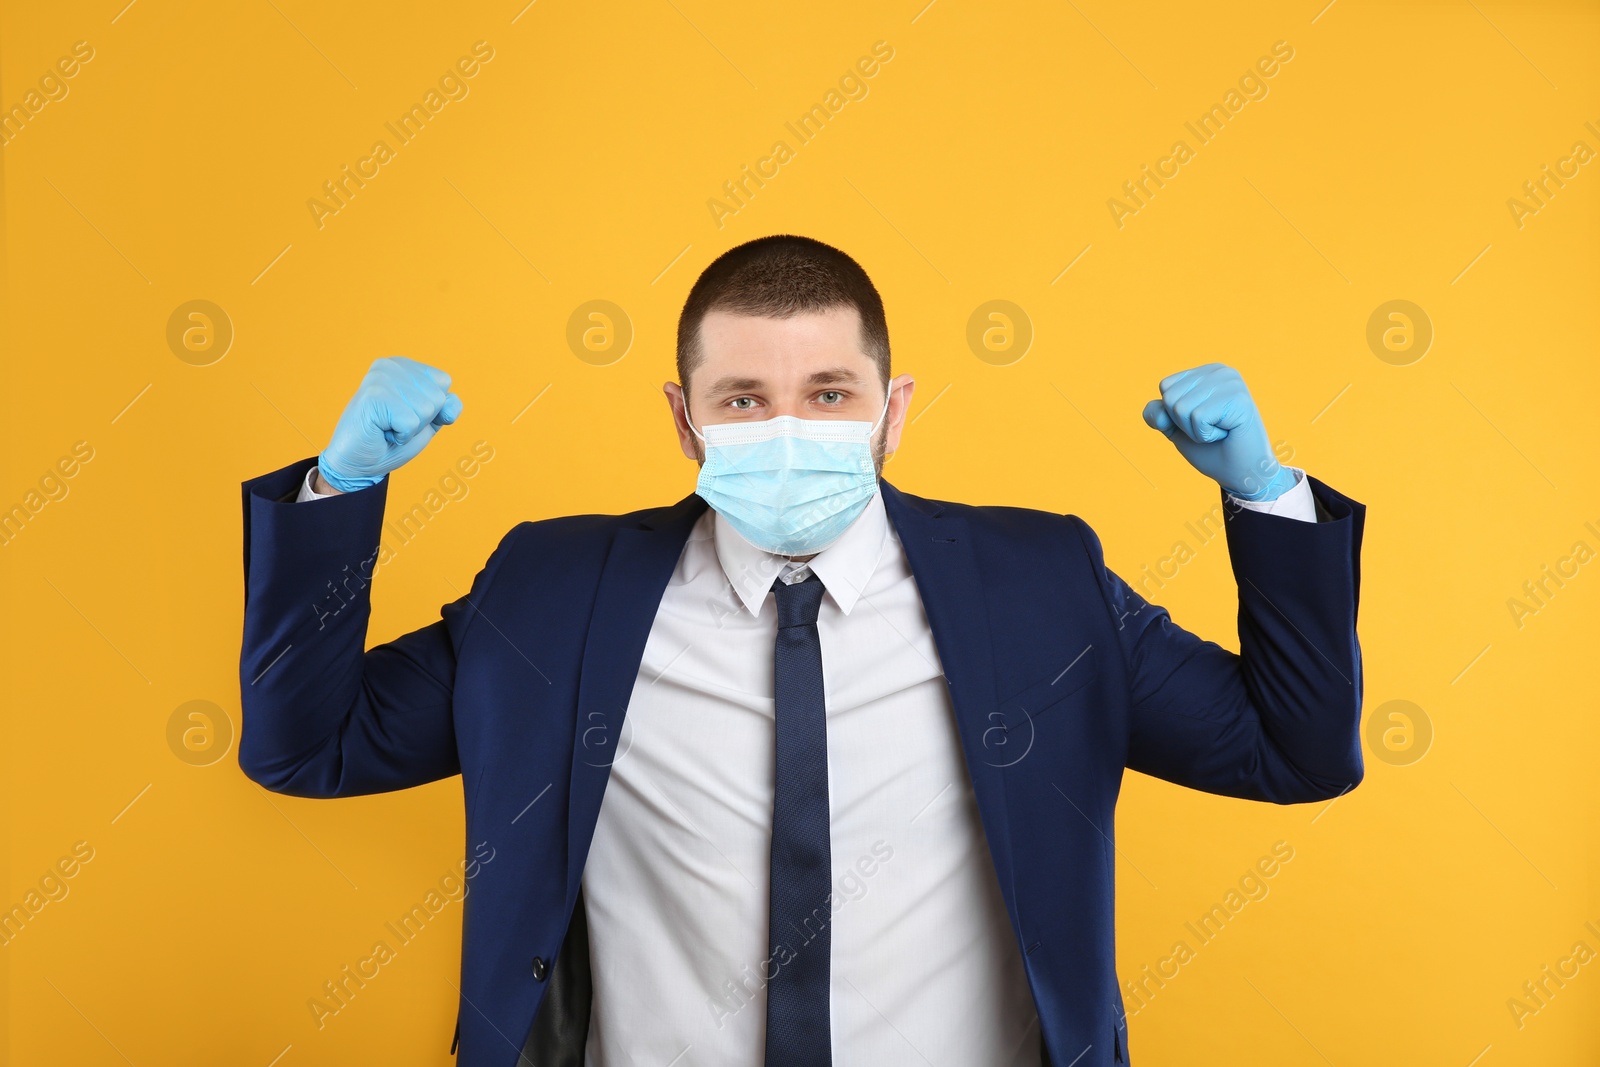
(798,603)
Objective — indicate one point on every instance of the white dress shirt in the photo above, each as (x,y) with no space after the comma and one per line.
(924,966)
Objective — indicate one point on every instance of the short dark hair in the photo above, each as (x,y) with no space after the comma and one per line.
(777,277)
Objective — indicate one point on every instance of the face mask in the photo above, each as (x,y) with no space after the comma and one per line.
(790,486)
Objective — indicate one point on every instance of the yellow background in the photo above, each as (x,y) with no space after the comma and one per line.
(977,167)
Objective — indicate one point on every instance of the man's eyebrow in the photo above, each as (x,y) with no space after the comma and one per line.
(828,376)
(835,376)
(735,384)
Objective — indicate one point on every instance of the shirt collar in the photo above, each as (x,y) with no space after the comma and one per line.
(844,566)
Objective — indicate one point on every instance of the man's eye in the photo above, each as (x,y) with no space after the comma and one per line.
(740,402)
(838,396)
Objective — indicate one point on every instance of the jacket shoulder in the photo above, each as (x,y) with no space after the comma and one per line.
(592,531)
(1036,526)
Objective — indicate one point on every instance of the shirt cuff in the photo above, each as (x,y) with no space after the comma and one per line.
(1296,503)
(308,493)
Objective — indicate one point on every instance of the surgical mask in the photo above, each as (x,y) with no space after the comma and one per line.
(790,486)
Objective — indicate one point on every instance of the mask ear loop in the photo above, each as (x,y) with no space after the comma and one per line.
(881,416)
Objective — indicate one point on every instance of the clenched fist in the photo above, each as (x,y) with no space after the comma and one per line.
(397,409)
(1210,417)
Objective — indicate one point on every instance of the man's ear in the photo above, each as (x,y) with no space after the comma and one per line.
(900,390)
(680,421)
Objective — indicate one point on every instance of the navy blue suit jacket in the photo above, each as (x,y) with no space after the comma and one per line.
(1060,674)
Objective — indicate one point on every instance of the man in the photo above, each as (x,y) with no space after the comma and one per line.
(823,772)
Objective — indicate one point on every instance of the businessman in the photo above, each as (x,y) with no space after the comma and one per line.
(802,769)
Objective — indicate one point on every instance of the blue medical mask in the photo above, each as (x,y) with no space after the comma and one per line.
(790,486)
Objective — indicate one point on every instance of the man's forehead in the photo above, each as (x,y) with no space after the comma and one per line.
(748,352)
(825,325)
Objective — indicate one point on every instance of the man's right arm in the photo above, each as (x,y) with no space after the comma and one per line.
(323,717)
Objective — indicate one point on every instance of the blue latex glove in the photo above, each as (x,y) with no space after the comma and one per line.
(396,411)
(1210,417)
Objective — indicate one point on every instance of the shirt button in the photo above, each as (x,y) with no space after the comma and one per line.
(540,969)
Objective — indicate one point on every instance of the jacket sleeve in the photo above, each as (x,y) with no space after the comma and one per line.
(1280,720)
(322,717)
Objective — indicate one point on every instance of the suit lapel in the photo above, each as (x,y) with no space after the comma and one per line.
(940,552)
(637,569)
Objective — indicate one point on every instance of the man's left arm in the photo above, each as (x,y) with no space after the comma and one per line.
(1280,720)
(1295,503)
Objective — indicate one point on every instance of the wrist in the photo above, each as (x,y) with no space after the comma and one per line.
(321,486)
(330,478)
(1260,486)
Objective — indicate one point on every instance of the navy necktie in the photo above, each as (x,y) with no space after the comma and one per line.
(798,1032)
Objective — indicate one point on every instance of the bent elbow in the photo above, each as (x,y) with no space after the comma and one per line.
(271,777)
(308,778)
(1326,788)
